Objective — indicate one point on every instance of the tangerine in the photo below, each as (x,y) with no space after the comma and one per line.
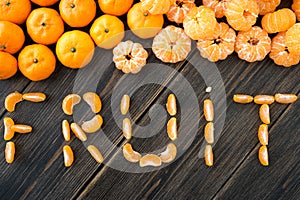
(292,39)
(12,37)
(45,2)
(220,45)
(253,45)
(179,10)
(15,11)
(296,8)
(8,65)
(115,7)
(267,6)
(36,62)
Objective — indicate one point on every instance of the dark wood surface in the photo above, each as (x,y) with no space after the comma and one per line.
(38,171)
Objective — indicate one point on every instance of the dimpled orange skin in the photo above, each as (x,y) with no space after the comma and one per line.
(253,45)
(241,15)
(219,6)
(75,49)
(115,7)
(15,11)
(220,45)
(278,21)
(279,52)
(107,31)
(296,8)
(267,6)
(200,23)
(12,37)
(36,62)
(171,45)
(142,23)
(44,26)
(179,10)
(8,65)
(77,13)
(292,39)
(44,2)
(156,7)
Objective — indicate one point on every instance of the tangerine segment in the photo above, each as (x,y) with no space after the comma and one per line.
(11,100)
(179,10)
(34,96)
(278,21)
(267,6)
(95,153)
(220,45)
(172,128)
(78,132)
(142,23)
(292,39)
(169,154)
(12,37)
(171,45)
(69,102)
(75,49)
(127,128)
(130,57)
(125,104)
(150,160)
(10,151)
(209,156)
(219,6)
(66,130)
(253,45)
(107,31)
(8,65)
(296,8)
(15,11)
(8,132)
(280,54)
(171,105)
(93,125)
(93,100)
(157,7)
(263,156)
(285,98)
(68,155)
(20,128)
(200,23)
(130,154)
(241,14)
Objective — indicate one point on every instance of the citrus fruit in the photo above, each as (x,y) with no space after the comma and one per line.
(77,13)
(36,62)
(44,2)
(253,45)
(107,31)
(292,39)
(11,37)
(200,23)
(219,6)
(130,57)
(278,21)
(142,23)
(157,7)
(241,14)
(280,54)
(44,26)
(15,11)
(220,45)
(296,8)
(115,7)
(8,65)
(267,6)
(75,49)
(171,45)
(179,10)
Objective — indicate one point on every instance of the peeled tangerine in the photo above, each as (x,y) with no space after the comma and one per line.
(220,45)
(296,8)
(200,23)
(280,54)
(219,6)
(292,39)
(171,45)
(253,45)
(179,10)
(267,6)
(278,21)
(156,7)
(130,57)
(241,14)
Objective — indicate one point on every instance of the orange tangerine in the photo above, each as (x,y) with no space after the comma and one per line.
(267,6)
(253,45)
(45,2)
(296,8)
(241,14)
(179,10)
(280,54)
(171,44)
(12,37)
(15,11)
(219,6)
(200,23)
(115,7)
(220,45)
(8,65)
(278,21)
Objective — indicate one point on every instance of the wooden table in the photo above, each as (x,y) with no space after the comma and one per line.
(38,171)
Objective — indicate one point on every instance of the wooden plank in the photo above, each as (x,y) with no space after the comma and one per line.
(232,81)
